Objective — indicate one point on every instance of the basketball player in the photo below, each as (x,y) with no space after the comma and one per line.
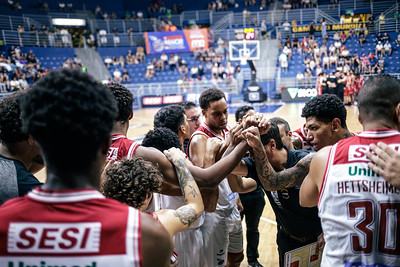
(122,147)
(161,138)
(173,117)
(132,181)
(188,244)
(325,121)
(193,117)
(385,162)
(67,220)
(18,151)
(222,227)
(358,208)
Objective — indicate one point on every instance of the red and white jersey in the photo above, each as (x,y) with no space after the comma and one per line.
(69,227)
(302,135)
(359,210)
(227,198)
(121,147)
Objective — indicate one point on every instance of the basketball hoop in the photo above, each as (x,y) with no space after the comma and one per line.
(243,59)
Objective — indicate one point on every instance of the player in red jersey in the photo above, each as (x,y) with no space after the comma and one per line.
(359,82)
(68,220)
(357,207)
(205,178)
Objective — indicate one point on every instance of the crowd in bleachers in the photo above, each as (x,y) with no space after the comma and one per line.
(18,70)
(342,52)
(205,66)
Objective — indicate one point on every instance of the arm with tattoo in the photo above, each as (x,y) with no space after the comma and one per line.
(185,215)
(269,178)
(272,180)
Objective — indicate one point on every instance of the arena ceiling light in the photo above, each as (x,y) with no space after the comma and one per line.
(68,22)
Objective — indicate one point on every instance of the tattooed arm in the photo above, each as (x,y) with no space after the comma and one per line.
(180,219)
(269,178)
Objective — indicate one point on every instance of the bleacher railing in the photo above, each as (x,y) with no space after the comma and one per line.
(35,39)
(174,88)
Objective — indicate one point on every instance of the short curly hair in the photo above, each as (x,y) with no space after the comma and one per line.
(10,119)
(210,95)
(241,111)
(131,181)
(171,117)
(124,100)
(70,115)
(378,98)
(325,108)
(162,139)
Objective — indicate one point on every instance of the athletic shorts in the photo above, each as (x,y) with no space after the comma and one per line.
(222,234)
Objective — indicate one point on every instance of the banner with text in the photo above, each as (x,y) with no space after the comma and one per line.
(298,94)
(177,41)
(331,27)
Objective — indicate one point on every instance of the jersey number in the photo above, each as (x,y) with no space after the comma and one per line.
(389,227)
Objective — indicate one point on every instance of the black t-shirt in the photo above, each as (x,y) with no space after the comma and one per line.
(16,179)
(293,218)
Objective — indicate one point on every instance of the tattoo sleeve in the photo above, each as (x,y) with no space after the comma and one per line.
(186,215)
(185,179)
(272,180)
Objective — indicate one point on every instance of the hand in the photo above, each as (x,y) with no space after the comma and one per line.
(213,145)
(235,134)
(174,154)
(385,162)
(257,120)
(239,205)
(320,243)
(252,135)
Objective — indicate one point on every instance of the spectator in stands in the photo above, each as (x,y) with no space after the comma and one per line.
(286,27)
(23,83)
(164,59)
(69,7)
(117,75)
(288,52)
(194,71)
(115,61)
(150,72)
(61,7)
(381,20)
(121,61)
(183,68)
(379,49)
(343,37)
(387,47)
(140,54)
(283,62)
(362,40)
(300,78)
(4,82)
(379,38)
(355,60)
(14,84)
(125,77)
(398,39)
(312,28)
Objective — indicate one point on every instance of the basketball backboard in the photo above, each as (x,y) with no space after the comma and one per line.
(244,50)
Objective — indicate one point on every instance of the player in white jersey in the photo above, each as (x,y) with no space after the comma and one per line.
(225,222)
(359,210)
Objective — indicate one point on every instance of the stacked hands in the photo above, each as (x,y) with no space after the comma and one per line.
(249,130)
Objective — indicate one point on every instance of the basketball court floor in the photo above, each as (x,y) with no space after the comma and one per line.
(142,122)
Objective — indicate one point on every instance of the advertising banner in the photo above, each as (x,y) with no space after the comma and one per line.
(177,41)
(331,27)
(298,94)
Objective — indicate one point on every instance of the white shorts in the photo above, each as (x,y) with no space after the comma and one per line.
(221,235)
(190,248)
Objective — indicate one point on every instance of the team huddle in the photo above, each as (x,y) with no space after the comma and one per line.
(174,199)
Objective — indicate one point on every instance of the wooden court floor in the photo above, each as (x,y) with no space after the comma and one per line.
(143,121)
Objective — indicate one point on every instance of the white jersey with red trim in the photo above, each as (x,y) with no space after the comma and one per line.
(359,210)
(121,147)
(69,227)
